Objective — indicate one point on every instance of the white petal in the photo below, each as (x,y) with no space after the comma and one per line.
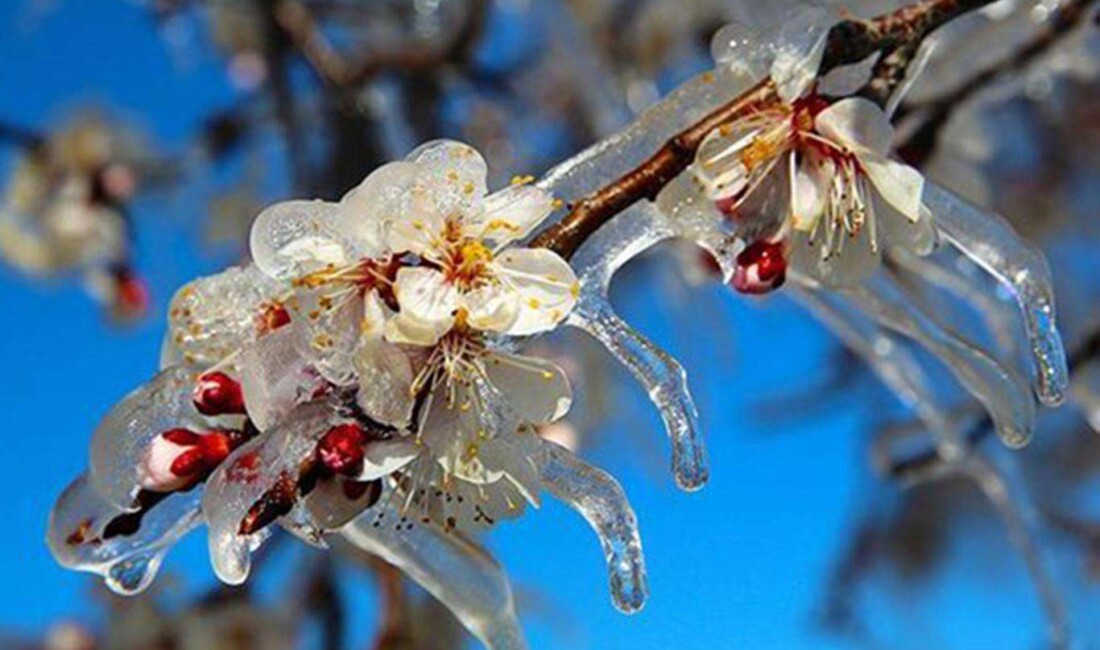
(428,303)
(329,507)
(385,457)
(365,212)
(385,370)
(536,389)
(898,184)
(491,308)
(546,286)
(858,124)
(293,238)
(453,174)
(810,191)
(326,329)
(512,213)
(418,229)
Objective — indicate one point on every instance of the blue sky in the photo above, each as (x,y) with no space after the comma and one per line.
(740,564)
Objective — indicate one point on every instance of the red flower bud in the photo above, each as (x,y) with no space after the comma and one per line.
(177,457)
(340,450)
(761,268)
(218,394)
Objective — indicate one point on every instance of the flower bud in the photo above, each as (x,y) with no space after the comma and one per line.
(340,450)
(761,268)
(177,457)
(218,394)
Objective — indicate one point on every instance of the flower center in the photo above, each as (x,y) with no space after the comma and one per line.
(468,263)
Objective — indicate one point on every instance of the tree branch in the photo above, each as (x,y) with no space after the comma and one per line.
(848,42)
(918,148)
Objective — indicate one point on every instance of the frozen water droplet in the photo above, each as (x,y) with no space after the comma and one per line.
(133,575)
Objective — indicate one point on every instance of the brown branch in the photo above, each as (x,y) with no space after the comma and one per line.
(848,42)
(918,148)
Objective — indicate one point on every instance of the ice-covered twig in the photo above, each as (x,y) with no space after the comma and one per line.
(849,42)
(934,115)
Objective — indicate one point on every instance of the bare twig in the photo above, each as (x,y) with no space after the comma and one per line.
(849,42)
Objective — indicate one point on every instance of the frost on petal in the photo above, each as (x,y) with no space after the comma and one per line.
(545,284)
(384,370)
(368,210)
(1003,394)
(428,304)
(600,500)
(294,238)
(512,213)
(453,174)
(537,390)
(254,469)
(453,569)
(89,534)
(987,239)
(275,377)
(213,317)
(327,331)
(123,436)
(858,124)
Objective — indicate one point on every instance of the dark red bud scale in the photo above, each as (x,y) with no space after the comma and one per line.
(216,393)
(340,450)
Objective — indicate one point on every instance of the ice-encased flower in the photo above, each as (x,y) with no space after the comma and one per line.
(844,197)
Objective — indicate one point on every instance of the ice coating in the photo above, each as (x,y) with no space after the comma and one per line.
(275,377)
(215,316)
(458,572)
(890,360)
(990,241)
(123,436)
(600,500)
(1004,394)
(246,475)
(960,277)
(127,562)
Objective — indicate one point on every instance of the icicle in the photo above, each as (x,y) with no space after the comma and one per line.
(959,277)
(665,382)
(988,239)
(887,358)
(1000,390)
(459,573)
(80,538)
(601,501)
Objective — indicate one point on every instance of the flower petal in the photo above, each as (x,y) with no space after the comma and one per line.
(275,377)
(512,213)
(428,304)
(546,286)
(418,229)
(809,191)
(898,184)
(537,390)
(294,238)
(327,331)
(858,124)
(799,48)
(384,370)
(365,214)
(385,457)
(491,308)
